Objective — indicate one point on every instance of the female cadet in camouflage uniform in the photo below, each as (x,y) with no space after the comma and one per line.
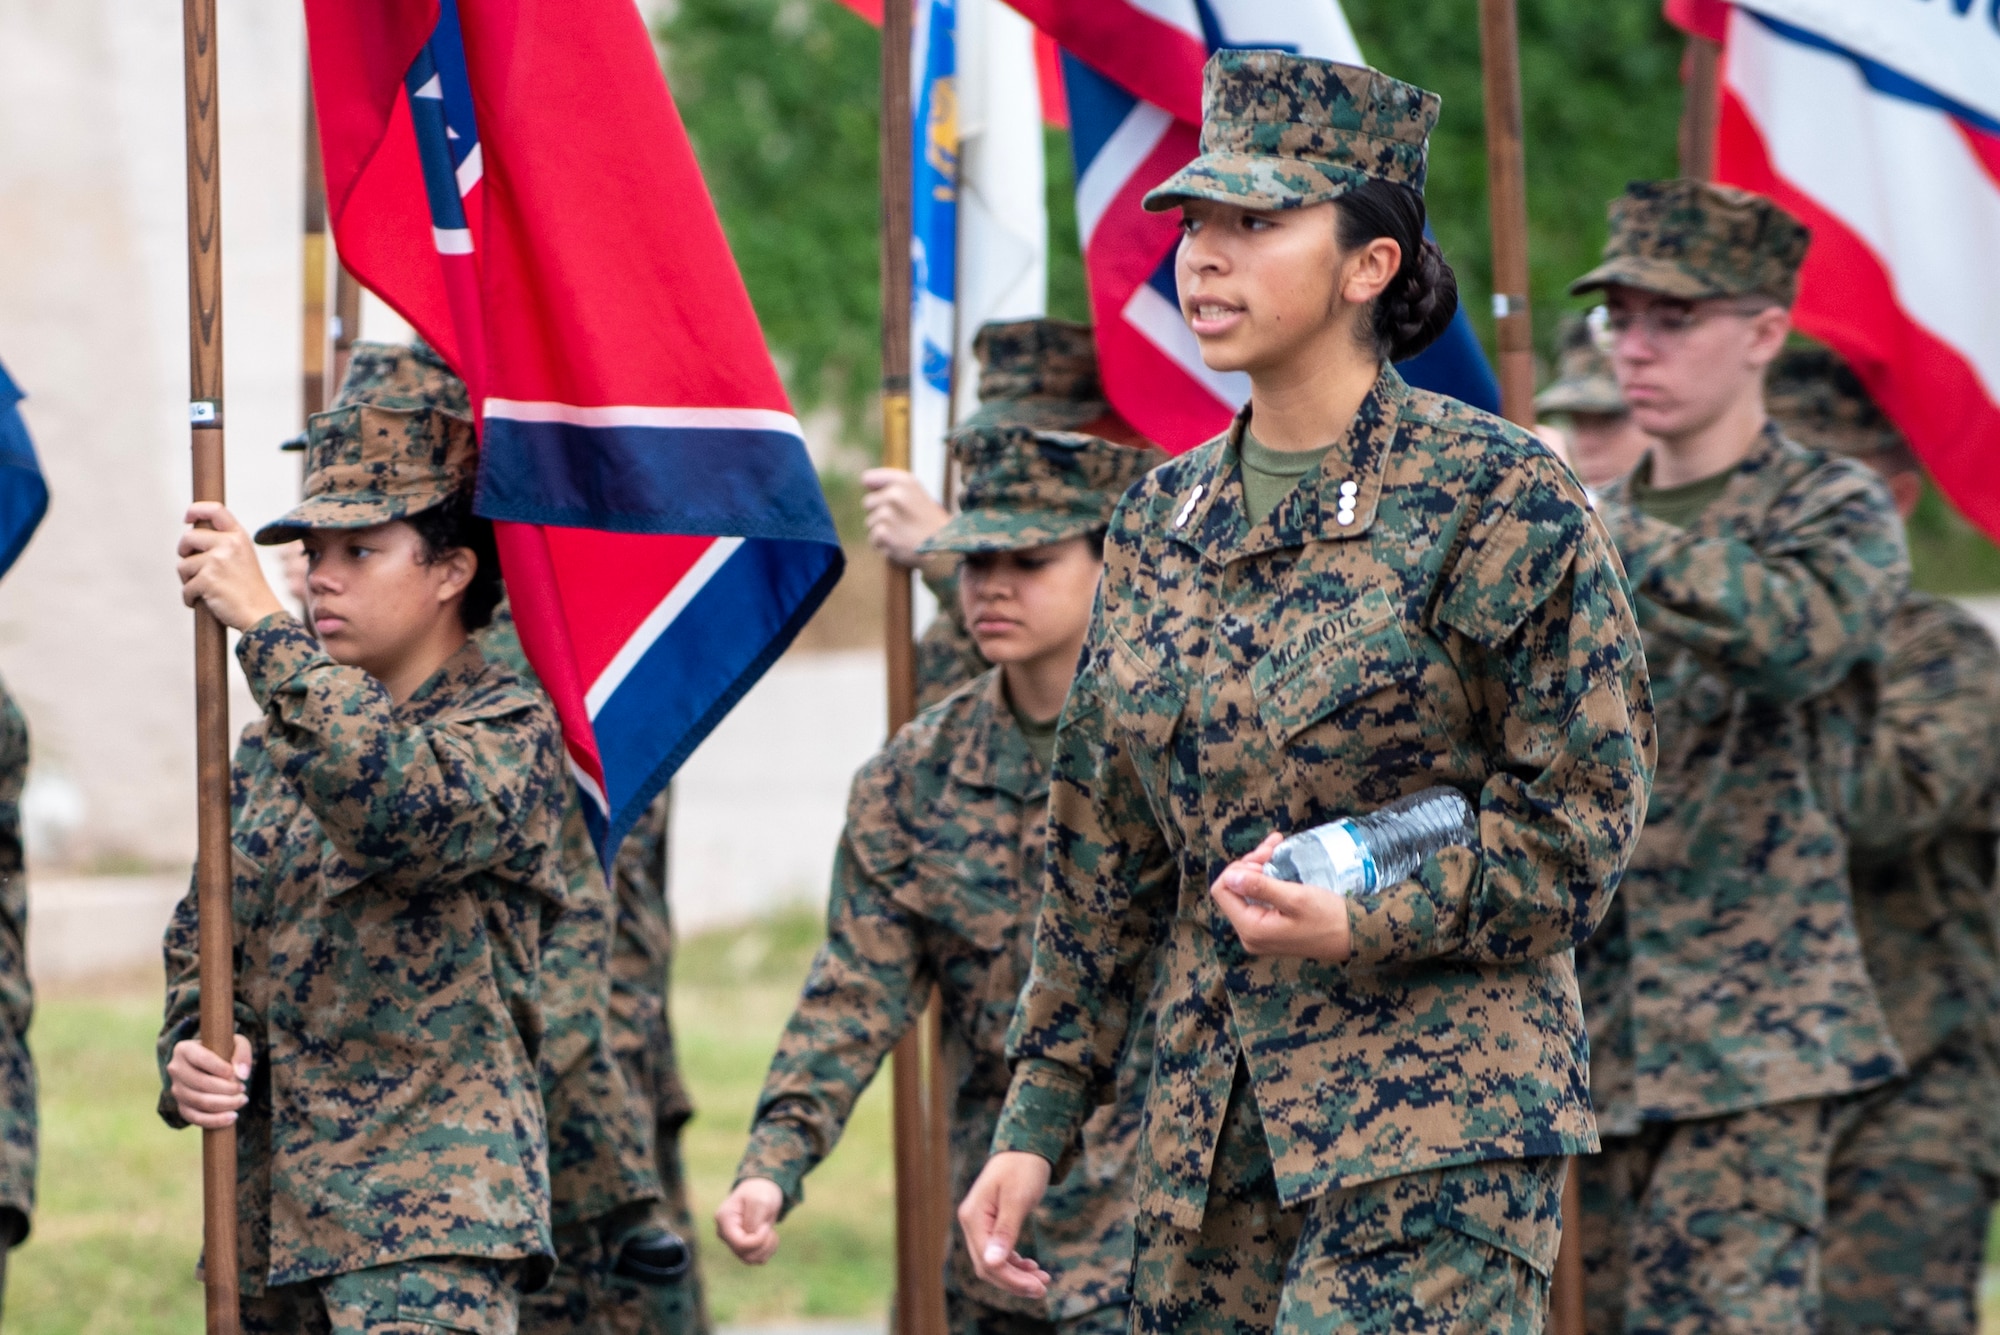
(1034,373)
(603,1183)
(396,816)
(937,882)
(1358,1108)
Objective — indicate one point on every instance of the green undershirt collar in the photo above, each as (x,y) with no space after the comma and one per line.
(1271,475)
(1680,506)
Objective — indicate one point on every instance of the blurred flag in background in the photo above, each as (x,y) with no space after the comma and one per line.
(1877,124)
(24,496)
(1130,75)
(1132,71)
(512,177)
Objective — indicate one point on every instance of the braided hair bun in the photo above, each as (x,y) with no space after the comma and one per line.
(1421,299)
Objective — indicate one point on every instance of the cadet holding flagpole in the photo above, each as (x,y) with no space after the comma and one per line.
(922,1205)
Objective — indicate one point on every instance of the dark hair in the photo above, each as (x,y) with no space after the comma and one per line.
(1423,296)
(445,528)
(1097,536)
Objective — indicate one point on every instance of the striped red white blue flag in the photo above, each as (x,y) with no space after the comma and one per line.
(1877,124)
(513,178)
(1132,72)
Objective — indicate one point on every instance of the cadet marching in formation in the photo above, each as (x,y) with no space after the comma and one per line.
(1721,755)
(1726,943)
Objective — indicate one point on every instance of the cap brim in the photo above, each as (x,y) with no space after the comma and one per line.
(1006,531)
(340,512)
(1252,181)
(1669,280)
(1580,397)
(1035,414)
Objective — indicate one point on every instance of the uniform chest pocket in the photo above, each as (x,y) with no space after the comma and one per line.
(965,895)
(980,904)
(1146,708)
(1338,691)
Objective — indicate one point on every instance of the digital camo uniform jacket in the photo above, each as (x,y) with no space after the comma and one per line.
(1464,624)
(1915,1178)
(937,883)
(395,869)
(603,1177)
(1730,975)
(642,1029)
(18,1123)
(600,1148)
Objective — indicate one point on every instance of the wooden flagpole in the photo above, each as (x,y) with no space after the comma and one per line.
(922,1193)
(314,352)
(211,685)
(1701,108)
(1513,326)
(1507,193)
(346,323)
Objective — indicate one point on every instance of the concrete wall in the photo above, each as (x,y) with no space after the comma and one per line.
(93,639)
(94,642)
(93,308)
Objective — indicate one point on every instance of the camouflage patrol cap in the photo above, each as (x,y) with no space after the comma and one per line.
(402,375)
(367,464)
(1280,131)
(1819,402)
(1024,488)
(1037,373)
(1584,382)
(1692,240)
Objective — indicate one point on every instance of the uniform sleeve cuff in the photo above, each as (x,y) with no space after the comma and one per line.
(274,651)
(1045,1110)
(1418,919)
(780,1153)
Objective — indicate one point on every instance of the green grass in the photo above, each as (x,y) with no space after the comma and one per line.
(118,1228)
(1947,554)
(119,1223)
(732,993)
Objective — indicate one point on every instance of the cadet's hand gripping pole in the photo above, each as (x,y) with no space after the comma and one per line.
(923,1195)
(1513,328)
(211,683)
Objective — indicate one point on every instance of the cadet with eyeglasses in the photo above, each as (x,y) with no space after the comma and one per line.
(1599,438)
(937,883)
(1916,1164)
(1730,1004)
(1359,1106)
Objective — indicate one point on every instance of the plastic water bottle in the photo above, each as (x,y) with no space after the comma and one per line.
(1359,855)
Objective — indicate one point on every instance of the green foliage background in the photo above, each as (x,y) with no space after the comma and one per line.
(780,100)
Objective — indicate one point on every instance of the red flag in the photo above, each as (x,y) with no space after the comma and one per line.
(512,176)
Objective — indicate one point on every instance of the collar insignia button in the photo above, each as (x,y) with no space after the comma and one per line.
(1194,498)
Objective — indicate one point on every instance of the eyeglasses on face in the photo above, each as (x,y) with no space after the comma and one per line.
(1662,322)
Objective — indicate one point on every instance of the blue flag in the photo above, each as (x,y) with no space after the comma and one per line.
(24,496)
